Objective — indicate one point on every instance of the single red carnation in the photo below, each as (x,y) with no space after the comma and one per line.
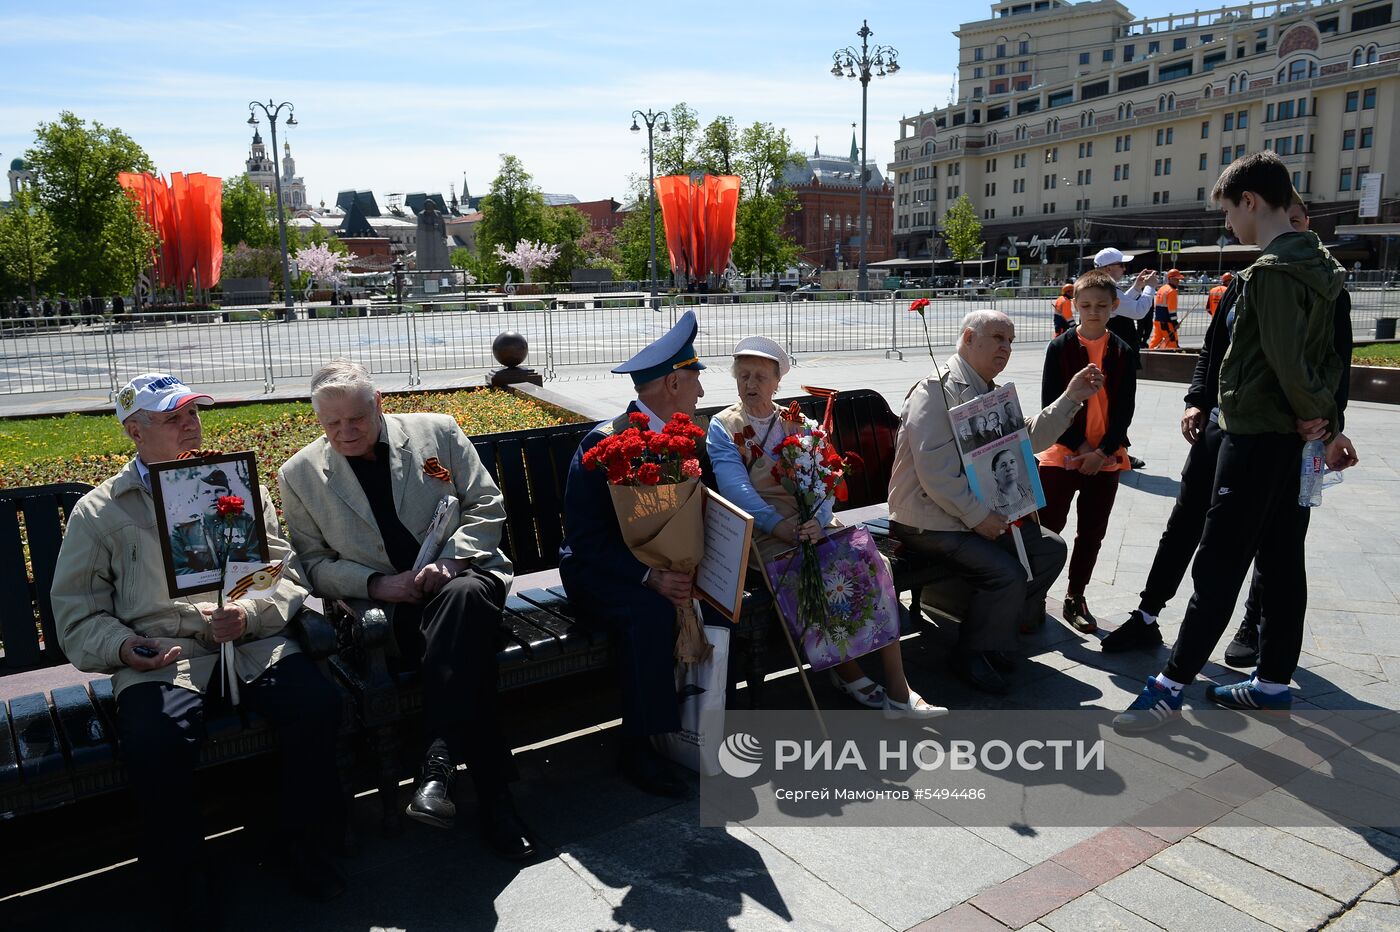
(639,420)
(649,474)
(230,505)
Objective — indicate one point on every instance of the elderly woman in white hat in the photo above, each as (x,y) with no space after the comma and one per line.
(746,479)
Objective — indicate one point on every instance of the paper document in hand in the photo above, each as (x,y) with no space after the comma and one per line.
(996,452)
(439,530)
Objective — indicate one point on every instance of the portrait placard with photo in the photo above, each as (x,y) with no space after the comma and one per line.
(996,452)
(196,539)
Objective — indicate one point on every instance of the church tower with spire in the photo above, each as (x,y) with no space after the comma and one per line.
(262,171)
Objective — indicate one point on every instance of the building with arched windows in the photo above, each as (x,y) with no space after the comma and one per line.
(1119,126)
(826,223)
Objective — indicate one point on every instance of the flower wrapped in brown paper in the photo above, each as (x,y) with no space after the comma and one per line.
(664,526)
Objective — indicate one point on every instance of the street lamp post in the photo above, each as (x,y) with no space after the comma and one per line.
(651,118)
(849,63)
(272,111)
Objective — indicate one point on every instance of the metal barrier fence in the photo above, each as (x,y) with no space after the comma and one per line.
(249,345)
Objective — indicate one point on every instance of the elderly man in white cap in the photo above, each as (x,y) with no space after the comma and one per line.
(113,615)
(1135,305)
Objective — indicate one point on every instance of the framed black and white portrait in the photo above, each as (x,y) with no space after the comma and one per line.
(196,539)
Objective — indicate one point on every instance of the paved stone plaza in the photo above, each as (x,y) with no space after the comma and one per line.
(625,860)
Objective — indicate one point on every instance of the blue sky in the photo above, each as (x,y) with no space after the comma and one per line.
(407,96)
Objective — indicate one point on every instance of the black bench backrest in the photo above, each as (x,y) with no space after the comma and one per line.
(31,517)
(531,468)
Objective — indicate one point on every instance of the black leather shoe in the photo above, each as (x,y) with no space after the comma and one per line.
(1002,662)
(1137,463)
(432,800)
(316,876)
(503,829)
(979,673)
(1243,651)
(650,772)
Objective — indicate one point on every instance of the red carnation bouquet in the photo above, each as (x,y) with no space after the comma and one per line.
(640,456)
(654,480)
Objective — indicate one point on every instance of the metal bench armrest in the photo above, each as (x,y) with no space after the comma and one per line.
(314,632)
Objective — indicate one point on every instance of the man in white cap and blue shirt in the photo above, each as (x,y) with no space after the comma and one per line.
(114,615)
(1134,306)
(611,588)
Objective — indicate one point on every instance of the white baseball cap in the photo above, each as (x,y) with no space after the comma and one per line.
(156,391)
(764,348)
(1109,256)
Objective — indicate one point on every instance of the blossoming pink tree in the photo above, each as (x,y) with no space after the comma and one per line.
(322,265)
(528,256)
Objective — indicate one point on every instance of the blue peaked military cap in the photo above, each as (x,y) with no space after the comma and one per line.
(675,350)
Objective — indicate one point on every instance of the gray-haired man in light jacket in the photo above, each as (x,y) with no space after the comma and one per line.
(934,512)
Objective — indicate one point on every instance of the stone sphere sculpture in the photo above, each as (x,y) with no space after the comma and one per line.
(510,348)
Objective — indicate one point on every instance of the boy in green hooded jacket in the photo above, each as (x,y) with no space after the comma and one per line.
(1278,384)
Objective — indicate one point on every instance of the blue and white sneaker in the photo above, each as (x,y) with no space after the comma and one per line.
(1154,707)
(1245,697)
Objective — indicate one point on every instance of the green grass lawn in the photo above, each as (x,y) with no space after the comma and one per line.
(1377,354)
(90,447)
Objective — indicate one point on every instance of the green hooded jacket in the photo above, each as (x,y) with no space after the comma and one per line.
(1281,364)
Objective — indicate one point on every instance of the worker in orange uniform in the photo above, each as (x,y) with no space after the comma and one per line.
(1164,334)
(1064,309)
(1217,294)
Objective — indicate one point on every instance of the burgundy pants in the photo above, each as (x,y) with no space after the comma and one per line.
(1096,495)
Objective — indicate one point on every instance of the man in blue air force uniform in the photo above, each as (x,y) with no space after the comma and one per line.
(610,587)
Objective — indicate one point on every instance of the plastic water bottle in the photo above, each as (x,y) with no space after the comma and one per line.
(1310,477)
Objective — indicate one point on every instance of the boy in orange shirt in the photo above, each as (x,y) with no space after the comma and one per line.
(1089,456)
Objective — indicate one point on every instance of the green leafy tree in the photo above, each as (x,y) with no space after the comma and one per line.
(633,239)
(677,152)
(763,153)
(100,240)
(719,146)
(27,249)
(247,215)
(564,227)
(962,231)
(513,210)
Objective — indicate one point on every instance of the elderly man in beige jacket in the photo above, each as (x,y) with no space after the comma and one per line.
(114,616)
(934,513)
(359,503)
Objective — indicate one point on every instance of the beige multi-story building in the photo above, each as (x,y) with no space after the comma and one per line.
(1079,126)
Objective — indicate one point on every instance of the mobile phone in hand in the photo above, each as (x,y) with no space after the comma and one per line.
(141,650)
